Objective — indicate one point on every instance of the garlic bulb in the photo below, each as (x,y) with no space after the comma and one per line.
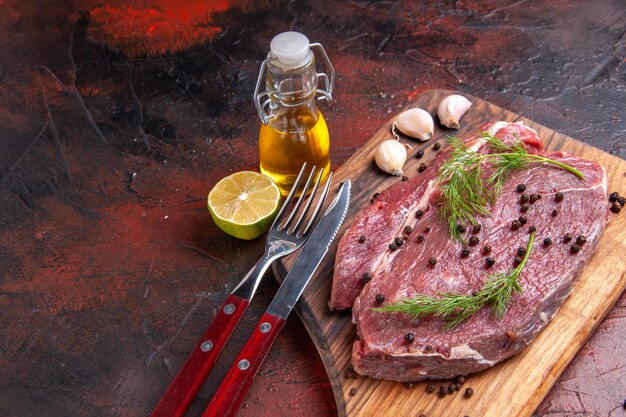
(451,109)
(416,123)
(391,156)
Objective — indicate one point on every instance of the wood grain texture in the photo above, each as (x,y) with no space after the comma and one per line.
(530,374)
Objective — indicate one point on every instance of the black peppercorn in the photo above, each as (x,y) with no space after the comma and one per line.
(468,392)
(622,201)
(380,298)
(432,261)
(460,228)
(428,348)
(436,146)
(581,239)
(392,247)
(366,277)
(460,379)
(443,391)
(547,241)
(567,237)
(575,248)
(353,391)
(525,207)
(521,188)
(524,198)
(375,196)
(405,178)
(465,252)
(420,238)
(613,196)
(408,230)
(349,372)
(419,154)
(476,228)
(398,241)
(474,240)
(515,224)
(554,213)
(487,249)
(490,261)
(427,229)
(451,389)
(522,220)
(518,260)
(422,168)
(409,337)
(457,387)
(521,251)
(558,196)
(616,208)
(534,198)
(532,229)
(362,239)
(430,388)
(419,213)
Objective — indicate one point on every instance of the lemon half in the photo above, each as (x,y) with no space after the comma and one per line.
(244,204)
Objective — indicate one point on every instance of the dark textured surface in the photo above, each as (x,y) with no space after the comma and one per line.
(116,120)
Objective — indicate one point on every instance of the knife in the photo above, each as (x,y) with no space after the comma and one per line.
(233,388)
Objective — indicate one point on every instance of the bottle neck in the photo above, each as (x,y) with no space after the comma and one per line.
(291,86)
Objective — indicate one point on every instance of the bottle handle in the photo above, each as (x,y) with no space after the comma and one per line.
(329,81)
(258,96)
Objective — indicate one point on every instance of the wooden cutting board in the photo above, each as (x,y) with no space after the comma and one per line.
(512,388)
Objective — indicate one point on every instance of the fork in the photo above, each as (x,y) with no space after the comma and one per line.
(282,239)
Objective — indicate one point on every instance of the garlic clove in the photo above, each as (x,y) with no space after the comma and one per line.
(451,110)
(390,157)
(416,123)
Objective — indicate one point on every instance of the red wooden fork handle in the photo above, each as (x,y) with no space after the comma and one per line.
(233,389)
(192,375)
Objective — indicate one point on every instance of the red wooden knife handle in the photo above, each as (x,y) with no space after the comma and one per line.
(232,391)
(192,375)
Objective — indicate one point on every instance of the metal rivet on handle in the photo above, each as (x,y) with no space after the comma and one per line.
(265,327)
(206,346)
(243,364)
(229,309)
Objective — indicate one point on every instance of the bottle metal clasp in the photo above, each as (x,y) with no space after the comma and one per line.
(261,99)
(329,81)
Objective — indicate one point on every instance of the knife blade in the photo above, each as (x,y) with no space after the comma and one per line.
(311,254)
(233,388)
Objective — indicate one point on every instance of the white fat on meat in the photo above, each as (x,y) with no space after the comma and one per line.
(465,352)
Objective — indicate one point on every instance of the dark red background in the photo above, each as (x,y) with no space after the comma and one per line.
(117,118)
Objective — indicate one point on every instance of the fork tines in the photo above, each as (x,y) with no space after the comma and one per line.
(290,225)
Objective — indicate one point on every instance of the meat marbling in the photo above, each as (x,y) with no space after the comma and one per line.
(481,341)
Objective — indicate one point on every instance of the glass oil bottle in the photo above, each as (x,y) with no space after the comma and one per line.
(293,130)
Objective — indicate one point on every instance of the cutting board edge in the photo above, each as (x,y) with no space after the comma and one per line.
(572,349)
(305,313)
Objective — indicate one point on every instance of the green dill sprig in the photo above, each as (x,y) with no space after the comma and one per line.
(464,194)
(454,308)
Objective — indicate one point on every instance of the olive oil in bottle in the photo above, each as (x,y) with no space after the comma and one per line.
(283,147)
(293,129)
